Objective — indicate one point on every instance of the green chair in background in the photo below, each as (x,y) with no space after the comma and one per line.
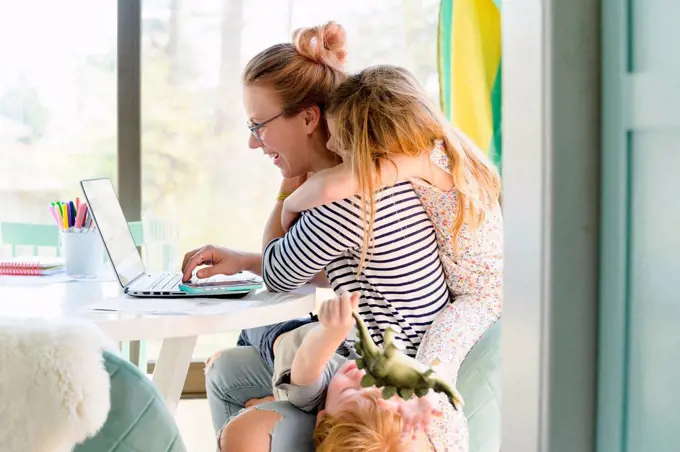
(29,235)
(479,382)
(47,235)
(158,239)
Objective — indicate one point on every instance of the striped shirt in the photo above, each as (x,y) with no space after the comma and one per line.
(402,285)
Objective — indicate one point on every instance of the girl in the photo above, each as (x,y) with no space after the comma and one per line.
(387,131)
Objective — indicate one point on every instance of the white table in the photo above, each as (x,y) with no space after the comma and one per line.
(177,331)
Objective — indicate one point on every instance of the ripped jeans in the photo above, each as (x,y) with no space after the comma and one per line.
(240,374)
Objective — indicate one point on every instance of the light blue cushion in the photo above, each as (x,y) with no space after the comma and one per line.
(139,420)
(479,382)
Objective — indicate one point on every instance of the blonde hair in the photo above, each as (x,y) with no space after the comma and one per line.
(382,111)
(366,427)
(302,72)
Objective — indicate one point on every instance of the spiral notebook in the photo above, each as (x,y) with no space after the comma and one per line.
(31,266)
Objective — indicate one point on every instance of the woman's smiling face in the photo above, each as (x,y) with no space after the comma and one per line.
(284,138)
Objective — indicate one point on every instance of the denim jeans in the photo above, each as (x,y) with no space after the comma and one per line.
(240,374)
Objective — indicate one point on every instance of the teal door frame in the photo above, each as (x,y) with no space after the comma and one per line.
(640,97)
(614,308)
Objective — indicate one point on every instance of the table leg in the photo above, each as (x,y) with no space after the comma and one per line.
(172,368)
(135,352)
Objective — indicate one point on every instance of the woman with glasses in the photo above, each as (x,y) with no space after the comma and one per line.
(285,90)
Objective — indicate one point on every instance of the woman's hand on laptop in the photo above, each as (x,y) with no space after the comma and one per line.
(218,261)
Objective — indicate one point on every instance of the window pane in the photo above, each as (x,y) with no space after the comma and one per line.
(57,103)
(197,167)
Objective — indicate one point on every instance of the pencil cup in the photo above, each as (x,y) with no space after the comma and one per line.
(83,253)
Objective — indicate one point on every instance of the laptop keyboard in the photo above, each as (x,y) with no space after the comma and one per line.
(166,281)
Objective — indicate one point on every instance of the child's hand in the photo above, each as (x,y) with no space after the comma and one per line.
(336,314)
(417,412)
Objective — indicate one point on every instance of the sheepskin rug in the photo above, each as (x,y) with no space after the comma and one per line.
(54,390)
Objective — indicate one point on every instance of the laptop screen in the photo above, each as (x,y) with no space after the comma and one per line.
(110,220)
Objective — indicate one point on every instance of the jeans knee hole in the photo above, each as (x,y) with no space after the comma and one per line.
(209,362)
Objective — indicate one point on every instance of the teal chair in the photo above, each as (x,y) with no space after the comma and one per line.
(138,419)
(47,235)
(162,238)
(29,235)
(479,382)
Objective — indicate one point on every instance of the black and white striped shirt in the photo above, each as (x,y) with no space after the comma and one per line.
(403,283)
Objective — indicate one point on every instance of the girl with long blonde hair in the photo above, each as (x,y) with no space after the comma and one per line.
(387,131)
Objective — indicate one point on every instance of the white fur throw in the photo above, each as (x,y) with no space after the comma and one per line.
(54,390)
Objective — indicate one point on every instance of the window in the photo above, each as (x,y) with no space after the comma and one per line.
(196,164)
(57,102)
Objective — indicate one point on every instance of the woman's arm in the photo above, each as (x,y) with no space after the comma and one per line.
(273,228)
(321,235)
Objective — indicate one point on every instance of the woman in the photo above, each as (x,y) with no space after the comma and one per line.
(284,94)
(285,88)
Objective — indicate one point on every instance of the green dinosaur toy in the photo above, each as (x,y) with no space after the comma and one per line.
(395,372)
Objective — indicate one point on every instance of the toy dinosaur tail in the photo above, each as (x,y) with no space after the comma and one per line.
(364,336)
(454,397)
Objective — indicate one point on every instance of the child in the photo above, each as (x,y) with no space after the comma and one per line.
(312,376)
(386,130)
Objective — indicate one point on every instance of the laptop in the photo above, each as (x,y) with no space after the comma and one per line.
(113,228)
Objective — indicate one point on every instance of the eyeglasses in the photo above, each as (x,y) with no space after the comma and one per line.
(255,127)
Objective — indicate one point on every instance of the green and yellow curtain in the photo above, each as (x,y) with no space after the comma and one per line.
(469,51)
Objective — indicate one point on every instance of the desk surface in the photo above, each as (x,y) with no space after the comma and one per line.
(71,300)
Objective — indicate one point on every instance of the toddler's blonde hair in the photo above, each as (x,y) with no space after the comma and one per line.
(365,427)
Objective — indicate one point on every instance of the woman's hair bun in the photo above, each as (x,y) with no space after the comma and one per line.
(323,44)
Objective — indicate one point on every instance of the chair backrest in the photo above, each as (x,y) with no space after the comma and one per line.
(138,419)
(29,235)
(479,382)
(158,237)
(47,235)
